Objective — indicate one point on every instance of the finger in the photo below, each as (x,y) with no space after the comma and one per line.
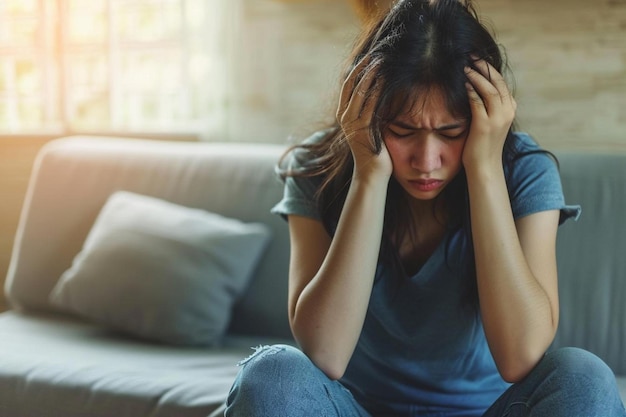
(369,89)
(494,77)
(484,89)
(347,89)
(362,100)
(477,106)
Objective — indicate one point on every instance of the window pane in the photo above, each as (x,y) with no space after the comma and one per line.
(30,114)
(28,77)
(152,71)
(86,4)
(90,111)
(159,111)
(19,31)
(87,92)
(87,25)
(5,115)
(6,77)
(152,90)
(88,71)
(147,21)
(20,6)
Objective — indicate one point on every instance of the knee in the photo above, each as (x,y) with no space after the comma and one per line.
(575,361)
(270,364)
(572,381)
(265,377)
(273,362)
(581,372)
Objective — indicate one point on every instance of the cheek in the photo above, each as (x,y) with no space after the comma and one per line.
(397,152)
(455,154)
(392,147)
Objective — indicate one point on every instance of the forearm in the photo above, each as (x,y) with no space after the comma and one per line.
(330,311)
(517,313)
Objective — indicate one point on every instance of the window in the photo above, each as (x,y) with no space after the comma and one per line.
(143,66)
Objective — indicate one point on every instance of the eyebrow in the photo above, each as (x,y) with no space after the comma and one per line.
(450,126)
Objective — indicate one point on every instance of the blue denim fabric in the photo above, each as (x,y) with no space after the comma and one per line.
(567,382)
(280,381)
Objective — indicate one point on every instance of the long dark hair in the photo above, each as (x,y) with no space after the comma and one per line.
(418,45)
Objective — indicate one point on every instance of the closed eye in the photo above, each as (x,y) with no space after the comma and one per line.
(453,135)
(401,134)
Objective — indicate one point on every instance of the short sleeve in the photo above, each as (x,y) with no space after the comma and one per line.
(534,183)
(298,198)
(299,195)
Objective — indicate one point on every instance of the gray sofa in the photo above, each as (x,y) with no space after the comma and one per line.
(54,363)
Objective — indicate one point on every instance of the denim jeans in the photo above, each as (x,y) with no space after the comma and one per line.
(280,381)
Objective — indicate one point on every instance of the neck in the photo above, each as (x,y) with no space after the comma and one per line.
(428,210)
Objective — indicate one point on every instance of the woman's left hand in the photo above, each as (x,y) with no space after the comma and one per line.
(493,110)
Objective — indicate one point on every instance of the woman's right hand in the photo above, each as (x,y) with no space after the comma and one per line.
(355,112)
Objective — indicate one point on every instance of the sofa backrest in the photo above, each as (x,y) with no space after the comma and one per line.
(592,256)
(73,177)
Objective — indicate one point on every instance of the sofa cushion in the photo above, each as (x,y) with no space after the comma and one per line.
(57,366)
(160,270)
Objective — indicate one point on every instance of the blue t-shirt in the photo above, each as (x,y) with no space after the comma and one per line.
(422,347)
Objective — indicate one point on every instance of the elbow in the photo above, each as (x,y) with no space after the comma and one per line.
(333,372)
(331,361)
(513,374)
(326,353)
(515,368)
(516,360)
(327,362)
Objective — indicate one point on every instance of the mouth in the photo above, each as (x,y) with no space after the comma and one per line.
(426,184)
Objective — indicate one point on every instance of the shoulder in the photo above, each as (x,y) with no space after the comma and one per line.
(524,142)
(304,155)
(524,157)
(532,177)
(301,186)
(534,181)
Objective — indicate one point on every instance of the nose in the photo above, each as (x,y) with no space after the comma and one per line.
(426,154)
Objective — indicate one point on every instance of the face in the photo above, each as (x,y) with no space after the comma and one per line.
(426,144)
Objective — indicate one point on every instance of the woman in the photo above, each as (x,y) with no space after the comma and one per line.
(423,275)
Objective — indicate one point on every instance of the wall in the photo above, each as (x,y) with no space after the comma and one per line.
(287,56)
(569,60)
(568,56)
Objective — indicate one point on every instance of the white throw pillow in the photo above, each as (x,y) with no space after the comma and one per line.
(161,271)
